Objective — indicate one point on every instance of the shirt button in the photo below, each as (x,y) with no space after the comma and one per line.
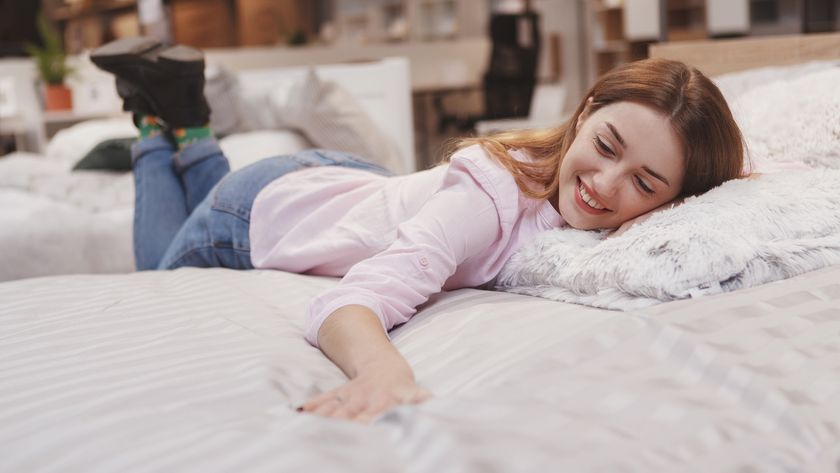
(424,261)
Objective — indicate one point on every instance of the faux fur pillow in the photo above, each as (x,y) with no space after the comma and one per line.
(741,234)
(793,120)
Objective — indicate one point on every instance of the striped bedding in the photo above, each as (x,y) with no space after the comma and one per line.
(198,370)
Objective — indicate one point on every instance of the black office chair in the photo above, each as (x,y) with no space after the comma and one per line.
(511,75)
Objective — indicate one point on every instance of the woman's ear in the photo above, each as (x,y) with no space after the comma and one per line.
(584,114)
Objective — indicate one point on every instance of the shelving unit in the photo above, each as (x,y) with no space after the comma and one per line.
(380,21)
(87,24)
(621,30)
(686,20)
(610,43)
(70,11)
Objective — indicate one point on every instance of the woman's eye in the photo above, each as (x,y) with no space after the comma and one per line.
(599,143)
(644,186)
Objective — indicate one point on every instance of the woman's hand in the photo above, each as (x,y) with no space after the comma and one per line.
(380,378)
(380,387)
(641,218)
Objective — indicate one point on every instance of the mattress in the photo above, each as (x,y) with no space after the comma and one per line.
(198,370)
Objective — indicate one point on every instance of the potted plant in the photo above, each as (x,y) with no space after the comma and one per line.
(51,61)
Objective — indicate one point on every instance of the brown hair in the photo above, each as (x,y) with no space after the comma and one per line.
(712,143)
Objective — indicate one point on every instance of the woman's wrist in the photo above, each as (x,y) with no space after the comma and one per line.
(353,338)
(391,363)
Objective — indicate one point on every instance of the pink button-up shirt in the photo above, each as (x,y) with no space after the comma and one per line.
(395,240)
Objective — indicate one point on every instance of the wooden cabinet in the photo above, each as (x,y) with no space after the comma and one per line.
(269,22)
(203,23)
(87,24)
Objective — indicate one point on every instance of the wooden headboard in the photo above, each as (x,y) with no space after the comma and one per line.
(714,57)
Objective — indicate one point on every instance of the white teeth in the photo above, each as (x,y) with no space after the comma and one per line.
(589,200)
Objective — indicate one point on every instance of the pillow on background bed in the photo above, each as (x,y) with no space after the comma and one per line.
(793,120)
(741,234)
(110,155)
(734,84)
(242,149)
(331,118)
(71,144)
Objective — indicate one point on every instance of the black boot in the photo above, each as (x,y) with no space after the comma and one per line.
(164,81)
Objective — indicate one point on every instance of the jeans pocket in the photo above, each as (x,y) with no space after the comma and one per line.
(235,195)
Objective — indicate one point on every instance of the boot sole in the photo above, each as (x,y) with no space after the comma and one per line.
(126,54)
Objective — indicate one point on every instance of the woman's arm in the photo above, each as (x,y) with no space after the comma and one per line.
(380,378)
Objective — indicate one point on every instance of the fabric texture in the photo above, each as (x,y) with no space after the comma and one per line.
(396,241)
(199,371)
(734,84)
(793,120)
(332,119)
(741,234)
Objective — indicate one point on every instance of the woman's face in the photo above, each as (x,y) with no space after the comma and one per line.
(625,160)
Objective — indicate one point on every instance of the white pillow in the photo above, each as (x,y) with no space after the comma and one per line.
(71,144)
(793,120)
(253,87)
(331,118)
(242,149)
(735,84)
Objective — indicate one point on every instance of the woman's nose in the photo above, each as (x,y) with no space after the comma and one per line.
(606,181)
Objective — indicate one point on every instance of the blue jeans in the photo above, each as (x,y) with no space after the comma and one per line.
(190,210)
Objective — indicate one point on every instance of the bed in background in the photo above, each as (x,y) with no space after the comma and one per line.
(199,370)
(58,221)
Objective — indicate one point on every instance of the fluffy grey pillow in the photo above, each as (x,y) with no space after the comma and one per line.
(741,234)
(793,119)
(331,118)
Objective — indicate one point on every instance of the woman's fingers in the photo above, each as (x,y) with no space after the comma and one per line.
(422,395)
(373,410)
(361,406)
(326,408)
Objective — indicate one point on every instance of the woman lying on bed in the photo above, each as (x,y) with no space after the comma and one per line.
(647,134)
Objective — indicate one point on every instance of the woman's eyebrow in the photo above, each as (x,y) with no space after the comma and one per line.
(661,178)
(617,135)
(624,145)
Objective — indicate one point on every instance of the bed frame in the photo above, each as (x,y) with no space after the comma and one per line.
(715,57)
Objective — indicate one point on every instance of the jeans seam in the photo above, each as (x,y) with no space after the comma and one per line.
(195,249)
(233,210)
(225,245)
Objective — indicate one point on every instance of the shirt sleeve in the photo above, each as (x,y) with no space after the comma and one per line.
(459,221)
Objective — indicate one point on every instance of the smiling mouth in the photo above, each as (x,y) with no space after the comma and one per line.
(587,202)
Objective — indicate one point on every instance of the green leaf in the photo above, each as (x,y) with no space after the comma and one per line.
(51,58)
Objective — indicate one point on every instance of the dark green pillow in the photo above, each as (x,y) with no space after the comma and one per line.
(110,155)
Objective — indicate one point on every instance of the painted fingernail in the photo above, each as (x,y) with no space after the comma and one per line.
(299,408)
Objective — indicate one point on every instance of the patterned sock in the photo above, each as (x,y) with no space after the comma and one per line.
(148,125)
(187,136)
